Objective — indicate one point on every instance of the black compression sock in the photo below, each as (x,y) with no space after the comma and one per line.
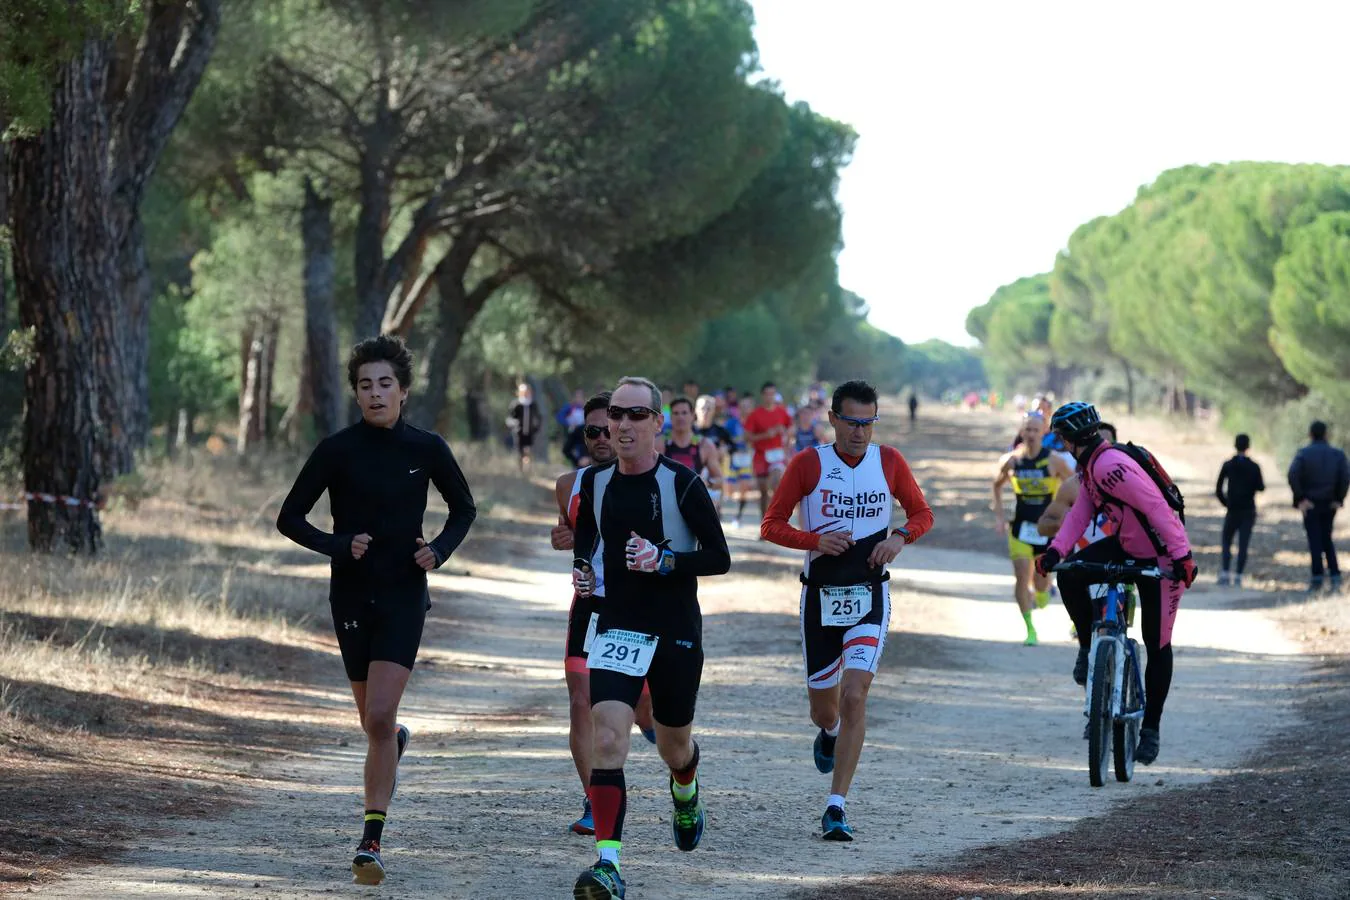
(374,825)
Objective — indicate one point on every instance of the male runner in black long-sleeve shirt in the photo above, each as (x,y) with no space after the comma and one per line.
(376,473)
(646,529)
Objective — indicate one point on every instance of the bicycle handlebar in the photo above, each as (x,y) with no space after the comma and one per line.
(1111,569)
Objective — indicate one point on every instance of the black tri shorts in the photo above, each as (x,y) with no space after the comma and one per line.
(673,676)
(379,625)
(581,624)
(830,649)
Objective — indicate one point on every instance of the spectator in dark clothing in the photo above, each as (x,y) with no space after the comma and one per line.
(1319,476)
(1239,480)
(574,449)
(524,421)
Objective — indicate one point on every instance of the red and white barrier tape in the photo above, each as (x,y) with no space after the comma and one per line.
(39,497)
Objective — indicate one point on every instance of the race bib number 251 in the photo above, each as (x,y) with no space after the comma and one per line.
(844,606)
(626,652)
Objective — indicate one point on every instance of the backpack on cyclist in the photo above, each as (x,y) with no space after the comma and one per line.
(1149,463)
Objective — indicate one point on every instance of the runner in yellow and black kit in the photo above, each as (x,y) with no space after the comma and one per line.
(1035,473)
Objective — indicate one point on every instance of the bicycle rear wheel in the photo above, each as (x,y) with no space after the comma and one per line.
(1125,736)
(1099,712)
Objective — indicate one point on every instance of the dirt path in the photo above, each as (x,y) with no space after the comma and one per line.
(973,739)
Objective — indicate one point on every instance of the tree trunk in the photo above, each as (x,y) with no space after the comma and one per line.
(1129,385)
(249,433)
(152,78)
(66,278)
(371,223)
(456,313)
(321,339)
(267,395)
(4,242)
(134,339)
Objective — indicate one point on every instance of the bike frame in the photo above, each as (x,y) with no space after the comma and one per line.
(1111,627)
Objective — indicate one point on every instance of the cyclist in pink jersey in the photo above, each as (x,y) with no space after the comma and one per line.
(1146,529)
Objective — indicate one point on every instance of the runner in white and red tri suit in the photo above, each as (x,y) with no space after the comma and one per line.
(846,490)
(581,618)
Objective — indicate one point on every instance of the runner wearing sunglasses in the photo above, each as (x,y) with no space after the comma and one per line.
(646,529)
(847,492)
(581,617)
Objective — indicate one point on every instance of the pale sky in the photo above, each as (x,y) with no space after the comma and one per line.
(989,131)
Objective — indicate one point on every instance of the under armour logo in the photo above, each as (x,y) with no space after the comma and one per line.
(836,474)
(414,471)
(347,626)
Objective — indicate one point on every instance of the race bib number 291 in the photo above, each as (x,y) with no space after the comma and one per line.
(626,652)
(844,606)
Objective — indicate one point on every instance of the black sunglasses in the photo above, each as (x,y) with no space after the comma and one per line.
(634,413)
(594,431)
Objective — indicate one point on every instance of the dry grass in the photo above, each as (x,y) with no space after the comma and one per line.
(146,684)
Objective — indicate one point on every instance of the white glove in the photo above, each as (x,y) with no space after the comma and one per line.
(583,581)
(642,554)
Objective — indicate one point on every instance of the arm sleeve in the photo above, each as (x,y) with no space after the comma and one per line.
(1131,486)
(308,488)
(1074,524)
(918,515)
(1342,479)
(1296,478)
(449,480)
(585,529)
(1218,485)
(712,556)
(1260,479)
(803,471)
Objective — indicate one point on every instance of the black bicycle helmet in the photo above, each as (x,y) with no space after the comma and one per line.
(1075,420)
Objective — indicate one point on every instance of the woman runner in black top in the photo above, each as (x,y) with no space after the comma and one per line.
(376,473)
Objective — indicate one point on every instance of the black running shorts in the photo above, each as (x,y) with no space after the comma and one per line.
(673,678)
(579,626)
(388,629)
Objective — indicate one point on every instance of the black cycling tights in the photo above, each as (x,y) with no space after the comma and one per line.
(1078,602)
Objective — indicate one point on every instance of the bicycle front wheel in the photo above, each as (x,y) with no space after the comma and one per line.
(1126,732)
(1099,712)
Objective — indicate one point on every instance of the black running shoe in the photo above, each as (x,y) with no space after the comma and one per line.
(833,825)
(824,752)
(367,867)
(1080,666)
(600,882)
(1146,751)
(688,821)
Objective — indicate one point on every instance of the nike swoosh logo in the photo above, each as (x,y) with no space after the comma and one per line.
(414,471)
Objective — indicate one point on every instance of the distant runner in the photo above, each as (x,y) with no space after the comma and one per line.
(1035,473)
(766,431)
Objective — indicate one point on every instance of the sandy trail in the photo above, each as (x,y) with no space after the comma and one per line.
(973,739)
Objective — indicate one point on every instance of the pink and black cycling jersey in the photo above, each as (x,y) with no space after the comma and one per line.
(1133,501)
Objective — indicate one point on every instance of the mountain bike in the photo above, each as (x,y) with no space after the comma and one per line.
(1115,684)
